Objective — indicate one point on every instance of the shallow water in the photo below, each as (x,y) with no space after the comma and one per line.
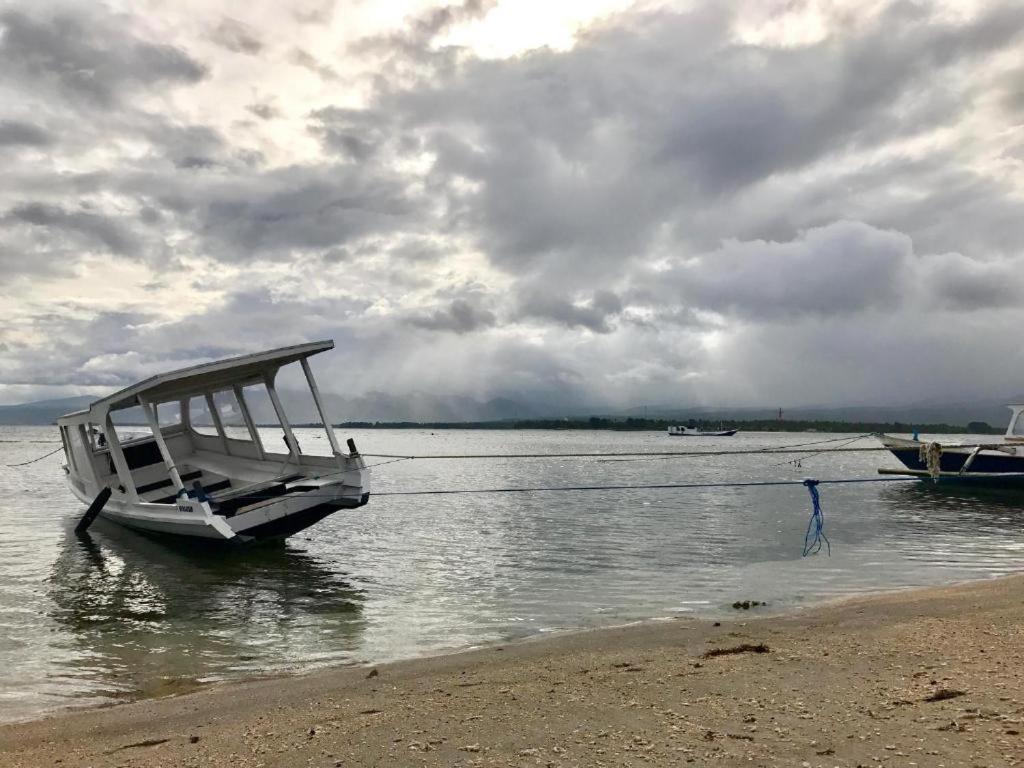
(119,615)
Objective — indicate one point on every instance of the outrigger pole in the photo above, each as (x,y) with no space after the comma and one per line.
(94,509)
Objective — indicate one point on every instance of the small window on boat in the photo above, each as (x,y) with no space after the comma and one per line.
(230,414)
(168,414)
(199,416)
(227,408)
(271,429)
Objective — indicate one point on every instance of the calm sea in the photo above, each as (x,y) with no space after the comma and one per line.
(119,615)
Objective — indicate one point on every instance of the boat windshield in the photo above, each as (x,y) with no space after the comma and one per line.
(1017,428)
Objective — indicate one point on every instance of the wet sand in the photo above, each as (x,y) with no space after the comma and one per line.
(929,678)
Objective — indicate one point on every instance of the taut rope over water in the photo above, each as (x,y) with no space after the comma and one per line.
(37,458)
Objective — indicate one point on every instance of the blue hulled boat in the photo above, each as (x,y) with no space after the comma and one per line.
(994,464)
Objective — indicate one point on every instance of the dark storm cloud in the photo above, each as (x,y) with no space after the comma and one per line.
(900,357)
(419,31)
(352,133)
(306,60)
(417,250)
(18,264)
(17,133)
(76,336)
(263,110)
(663,211)
(1012,93)
(275,213)
(843,268)
(236,36)
(460,316)
(966,284)
(762,110)
(594,314)
(114,348)
(90,228)
(426,27)
(86,58)
(319,12)
(586,155)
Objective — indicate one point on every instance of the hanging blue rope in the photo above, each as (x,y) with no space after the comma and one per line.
(816,525)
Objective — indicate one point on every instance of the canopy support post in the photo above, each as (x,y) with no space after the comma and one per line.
(120,463)
(154,424)
(328,428)
(289,436)
(249,423)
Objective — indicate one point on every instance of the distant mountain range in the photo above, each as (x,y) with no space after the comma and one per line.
(423,407)
(375,406)
(42,411)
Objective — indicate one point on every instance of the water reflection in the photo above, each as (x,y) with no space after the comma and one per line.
(145,617)
(935,509)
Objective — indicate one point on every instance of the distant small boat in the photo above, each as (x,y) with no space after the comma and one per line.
(694,432)
(991,464)
(209,485)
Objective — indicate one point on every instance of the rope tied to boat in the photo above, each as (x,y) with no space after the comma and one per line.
(816,525)
(931,455)
(37,458)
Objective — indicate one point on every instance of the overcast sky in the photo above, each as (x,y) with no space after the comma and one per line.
(763,203)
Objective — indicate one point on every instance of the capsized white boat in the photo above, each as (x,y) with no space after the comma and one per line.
(991,463)
(178,480)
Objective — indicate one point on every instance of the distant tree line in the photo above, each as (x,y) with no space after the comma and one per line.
(633,424)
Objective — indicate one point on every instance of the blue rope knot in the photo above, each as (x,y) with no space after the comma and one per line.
(816,525)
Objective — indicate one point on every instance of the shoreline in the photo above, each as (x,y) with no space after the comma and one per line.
(763,611)
(843,682)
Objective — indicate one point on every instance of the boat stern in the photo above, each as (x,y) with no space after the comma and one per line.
(296,504)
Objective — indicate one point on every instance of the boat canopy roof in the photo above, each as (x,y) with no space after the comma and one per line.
(199,379)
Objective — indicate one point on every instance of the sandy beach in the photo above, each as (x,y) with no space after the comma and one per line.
(929,677)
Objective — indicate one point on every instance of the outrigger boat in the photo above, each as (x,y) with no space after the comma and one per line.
(177,480)
(692,431)
(993,464)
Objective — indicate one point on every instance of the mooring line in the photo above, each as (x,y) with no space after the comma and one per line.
(565,488)
(797,462)
(669,454)
(757,451)
(382,463)
(656,486)
(37,458)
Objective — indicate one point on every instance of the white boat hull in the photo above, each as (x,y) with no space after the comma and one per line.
(690,432)
(268,519)
(186,481)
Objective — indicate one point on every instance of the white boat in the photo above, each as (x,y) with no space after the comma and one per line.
(178,480)
(681,431)
(994,463)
